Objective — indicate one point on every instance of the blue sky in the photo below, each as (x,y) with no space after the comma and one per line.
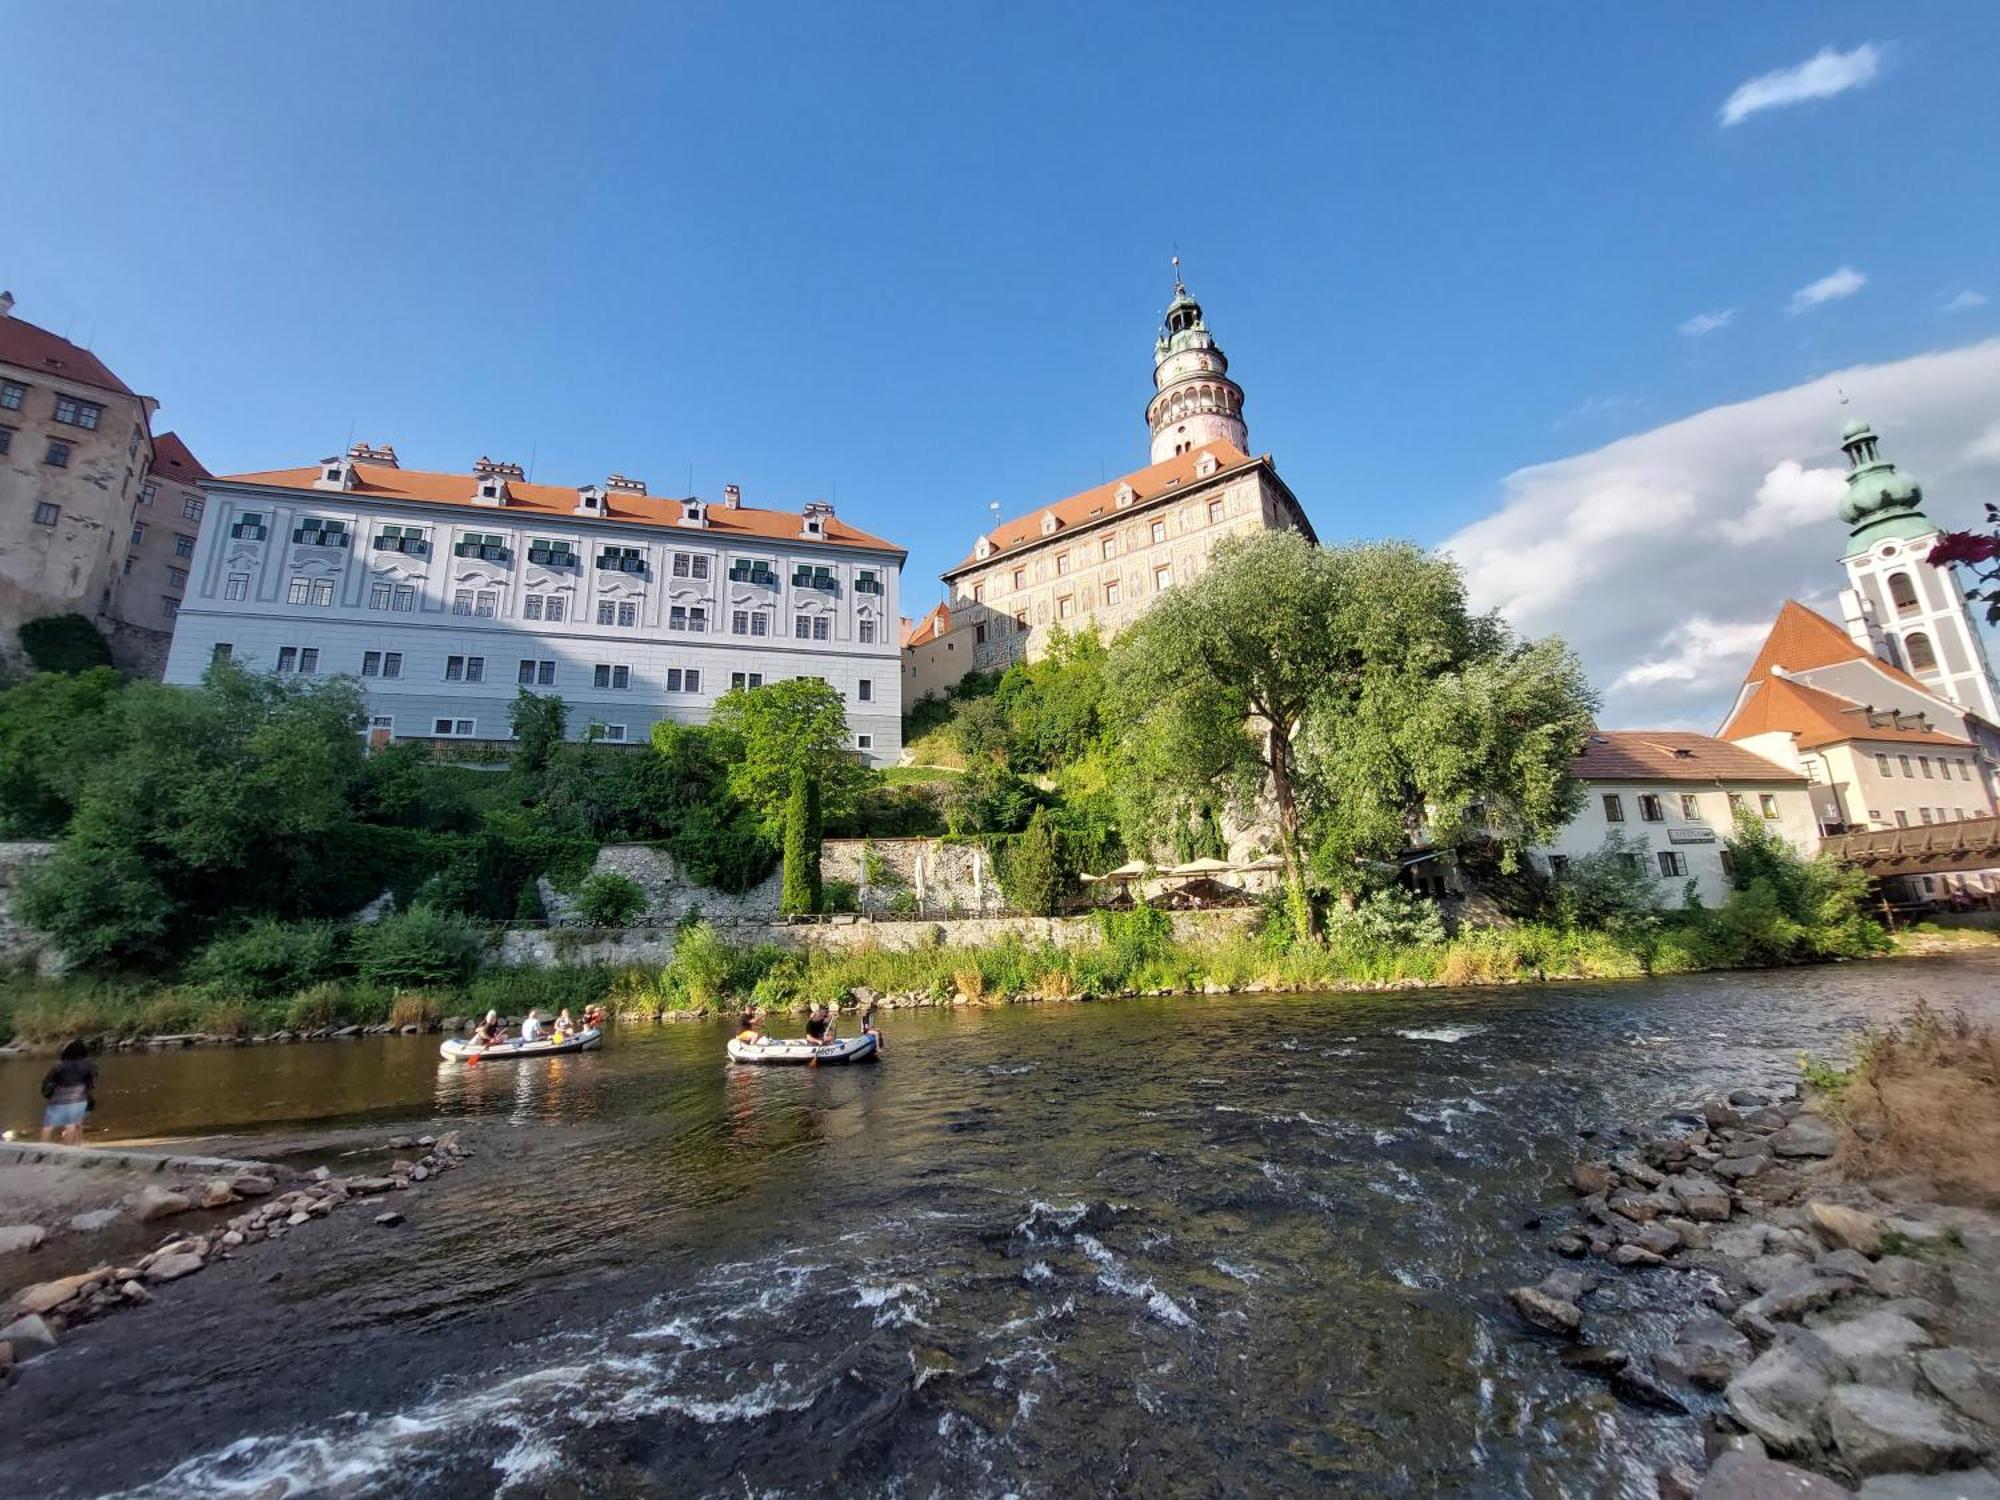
(912,256)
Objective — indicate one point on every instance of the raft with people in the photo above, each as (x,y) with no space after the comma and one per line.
(818,1047)
(537,1039)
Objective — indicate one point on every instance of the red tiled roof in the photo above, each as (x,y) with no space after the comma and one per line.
(1802,639)
(1149,483)
(931,627)
(42,353)
(1816,717)
(379,482)
(172,460)
(1670,755)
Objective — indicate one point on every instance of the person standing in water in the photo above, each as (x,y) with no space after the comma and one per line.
(71,1090)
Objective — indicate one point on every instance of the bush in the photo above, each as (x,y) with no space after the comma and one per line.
(801,892)
(1390,915)
(420,948)
(1034,876)
(269,957)
(314,1007)
(608,899)
(700,971)
(65,643)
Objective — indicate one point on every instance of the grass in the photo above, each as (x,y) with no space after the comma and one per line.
(917,775)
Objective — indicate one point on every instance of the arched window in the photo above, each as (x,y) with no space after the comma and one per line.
(1917,647)
(1902,593)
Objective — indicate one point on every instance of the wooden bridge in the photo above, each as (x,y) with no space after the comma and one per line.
(1931,849)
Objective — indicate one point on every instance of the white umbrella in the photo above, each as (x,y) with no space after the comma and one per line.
(1204,867)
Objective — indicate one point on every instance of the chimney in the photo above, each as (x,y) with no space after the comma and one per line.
(620,484)
(732,497)
(6,303)
(494,468)
(369,453)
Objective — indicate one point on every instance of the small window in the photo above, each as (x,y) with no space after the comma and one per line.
(1614,808)
(149,492)
(612,732)
(236,586)
(308,660)
(1882,765)
(12,393)
(288,658)
(461,602)
(1767,803)
(802,628)
(554,607)
(322,591)
(486,605)
(6,440)
(454,669)
(1925,814)
(1904,762)
(138,533)
(1062,563)
(1107,549)
(300,591)
(739,622)
(183,544)
(1558,866)
(57,454)
(822,628)
(1917,649)
(1650,810)
(459,729)
(1159,531)
(84,414)
(1671,864)
(979,635)
(392,664)
(865,690)
(220,651)
(1163,578)
(1110,591)
(1902,818)
(371,664)
(1736,804)
(1924,766)
(1214,512)
(1691,807)
(1902,594)
(177,578)
(531,607)
(1065,606)
(628,613)
(406,597)
(192,508)
(170,607)
(979,593)
(864,742)
(1020,577)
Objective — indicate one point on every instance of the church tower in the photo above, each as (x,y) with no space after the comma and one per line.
(1194,400)
(1905,610)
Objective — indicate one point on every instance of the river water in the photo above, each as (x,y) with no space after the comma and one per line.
(1243,1246)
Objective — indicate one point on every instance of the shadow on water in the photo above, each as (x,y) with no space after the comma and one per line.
(1239,1246)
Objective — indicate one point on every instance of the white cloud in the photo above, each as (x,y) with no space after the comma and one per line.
(1592,408)
(1696,651)
(1966,301)
(1791,496)
(1656,555)
(1819,77)
(1707,322)
(1831,288)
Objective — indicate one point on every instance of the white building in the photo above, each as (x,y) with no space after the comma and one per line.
(444,594)
(1680,794)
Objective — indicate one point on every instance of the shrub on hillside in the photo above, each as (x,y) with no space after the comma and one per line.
(65,643)
(608,899)
(1390,915)
(419,948)
(269,957)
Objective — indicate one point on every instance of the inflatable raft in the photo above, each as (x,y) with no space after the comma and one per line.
(848,1049)
(457,1051)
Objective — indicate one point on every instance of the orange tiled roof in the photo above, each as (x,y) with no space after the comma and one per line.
(1816,717)
(379,482)
(43,353)
(1149,483)
(931,627)
(172,460)
(1670,755)
(1802,639)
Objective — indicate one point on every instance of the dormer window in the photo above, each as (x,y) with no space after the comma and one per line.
(1049,523)
(982,549)
(406,539)
(336,474)
(314,531)
(1206,465)
(694,512)
(488,545)
(590,500)
(621,560)
(1125,496)
(815,528)
(491,491)
(250,527)
(551,554)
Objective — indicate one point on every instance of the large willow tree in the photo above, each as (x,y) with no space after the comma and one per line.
(1349,697)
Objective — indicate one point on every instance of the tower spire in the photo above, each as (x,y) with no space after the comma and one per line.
(1194,400)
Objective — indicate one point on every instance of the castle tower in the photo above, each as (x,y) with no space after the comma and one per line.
(1194,400)
(1907,611)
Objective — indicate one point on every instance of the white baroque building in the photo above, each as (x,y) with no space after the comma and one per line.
(444,594)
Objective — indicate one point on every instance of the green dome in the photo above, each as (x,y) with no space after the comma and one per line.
(1853,429)
(1880,504)
(1877,490)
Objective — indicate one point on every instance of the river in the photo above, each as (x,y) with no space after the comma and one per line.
(1236,1246)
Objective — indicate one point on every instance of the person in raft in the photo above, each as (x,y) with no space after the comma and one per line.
(531,1028)
(869,1028)
(489,1032)
(819,1027)
(749,1032)
(71,1089)
(593,1017)
(564,1029)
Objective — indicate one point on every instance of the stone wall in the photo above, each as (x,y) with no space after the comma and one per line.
(18,944)
(576,947)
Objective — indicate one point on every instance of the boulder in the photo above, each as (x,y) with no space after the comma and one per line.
(96,1219)
(216,1193)
(1741,1241)
(1748,1099)
(15,1238)
(1552,1314)
(158,1203)
(1595,1359)
(251,1185)
(1631,1165)
(1656,1238)
(47,1296)
(1918,1231)
(1718,1114)
(1843,1263)
(1766,1271)
(1569,1246)
(1971,1484)
(1878,1347)
(1567,1286)
(389,1220)
(1589,1177)
(28,1337)
(1807,1136)
(1846,1228)
(1630,1383)
(1744,1476)
(1797,1295)
(1779,1395)
(1741,1168)
(1706,1353)
(1635,1256)
(1903,1276)
(1880,1431)
(132,1291)
(1970,1382)
(174,1267)
(1702,1198)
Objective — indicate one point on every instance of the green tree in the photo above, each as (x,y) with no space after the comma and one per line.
(798,724)
(800,893)
(1354,689)
(53,729)
(65,643)
(1034,872)
(540,722)
(1822,902)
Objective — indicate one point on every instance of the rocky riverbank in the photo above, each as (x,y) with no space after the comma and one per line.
(35,1318)
(1832,1335)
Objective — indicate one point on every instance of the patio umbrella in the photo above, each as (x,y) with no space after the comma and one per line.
(1203,867)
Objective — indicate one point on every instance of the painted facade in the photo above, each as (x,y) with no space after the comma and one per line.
(444,594)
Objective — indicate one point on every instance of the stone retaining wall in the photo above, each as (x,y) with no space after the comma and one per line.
(19,943)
